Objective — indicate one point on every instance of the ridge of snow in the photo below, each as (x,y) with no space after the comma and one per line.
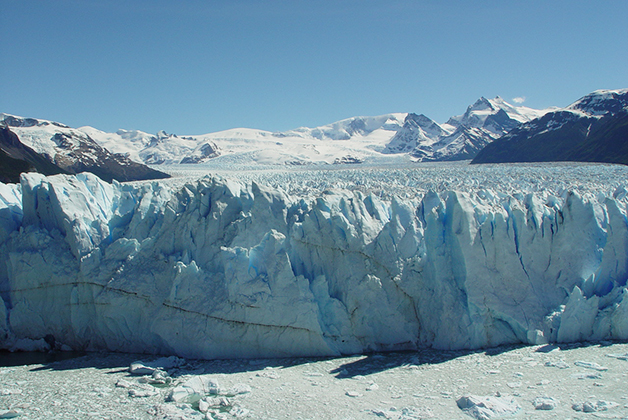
(476,114)
(601,102)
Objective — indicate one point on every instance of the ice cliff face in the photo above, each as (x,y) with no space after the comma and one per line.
(220,268)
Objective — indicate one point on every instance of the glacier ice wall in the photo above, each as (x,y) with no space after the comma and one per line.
(220,268)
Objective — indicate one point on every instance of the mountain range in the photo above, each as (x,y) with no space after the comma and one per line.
(463,136)
(592,129)
(50,148)
(352,140)
(489,131)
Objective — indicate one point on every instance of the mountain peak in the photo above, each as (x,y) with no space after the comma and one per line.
(602,102)
(481,105)
(592,129)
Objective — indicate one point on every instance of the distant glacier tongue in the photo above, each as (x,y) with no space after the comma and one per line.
(220,268)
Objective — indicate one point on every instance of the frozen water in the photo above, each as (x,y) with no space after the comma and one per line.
(591,365)
(593,406)
(487,407)
(412,385)
(544,403)
(194,389)
(303,262)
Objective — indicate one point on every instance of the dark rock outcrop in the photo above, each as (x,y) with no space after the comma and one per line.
(16,158)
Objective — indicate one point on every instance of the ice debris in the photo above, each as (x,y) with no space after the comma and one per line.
(269,373)
(593,406)
(623,356)
(561,364)
(544,403)
(10,391)
(139,368)
(142,368)
(586,376)
(239,389)
(372,387)
(175,412)
(487,407)
(353,394)
(157,378)
(194,389)
(406,413)
(147,391)
(122,383)
(591,365)
(10,414)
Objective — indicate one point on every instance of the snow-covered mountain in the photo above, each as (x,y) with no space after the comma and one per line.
(75,151)
(349,128)
(16,158)
(463,136)
(451,257)
(601,102)
(417,130)
(592,129)
(352,140)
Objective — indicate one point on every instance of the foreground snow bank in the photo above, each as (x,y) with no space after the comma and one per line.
(221,268)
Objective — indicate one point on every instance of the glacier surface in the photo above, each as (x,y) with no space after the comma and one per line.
(311,262)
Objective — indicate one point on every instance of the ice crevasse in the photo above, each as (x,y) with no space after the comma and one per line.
(220,268)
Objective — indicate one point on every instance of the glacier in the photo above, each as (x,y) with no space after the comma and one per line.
(316,263)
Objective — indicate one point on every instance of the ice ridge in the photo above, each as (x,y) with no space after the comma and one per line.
(220,268)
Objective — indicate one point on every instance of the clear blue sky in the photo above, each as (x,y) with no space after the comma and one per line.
(198,66)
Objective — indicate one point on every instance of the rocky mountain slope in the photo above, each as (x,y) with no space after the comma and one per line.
(463,136)
(16,158)
(73,151)
(593,129)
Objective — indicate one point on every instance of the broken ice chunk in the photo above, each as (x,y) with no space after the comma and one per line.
(10,414)
(593,406)
(487,407)
(544,403)
(561,364)
(240,389)
(591,365)
(619,356)
(142,368)
(195,388)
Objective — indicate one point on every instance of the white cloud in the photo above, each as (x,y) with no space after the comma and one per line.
(519,99)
